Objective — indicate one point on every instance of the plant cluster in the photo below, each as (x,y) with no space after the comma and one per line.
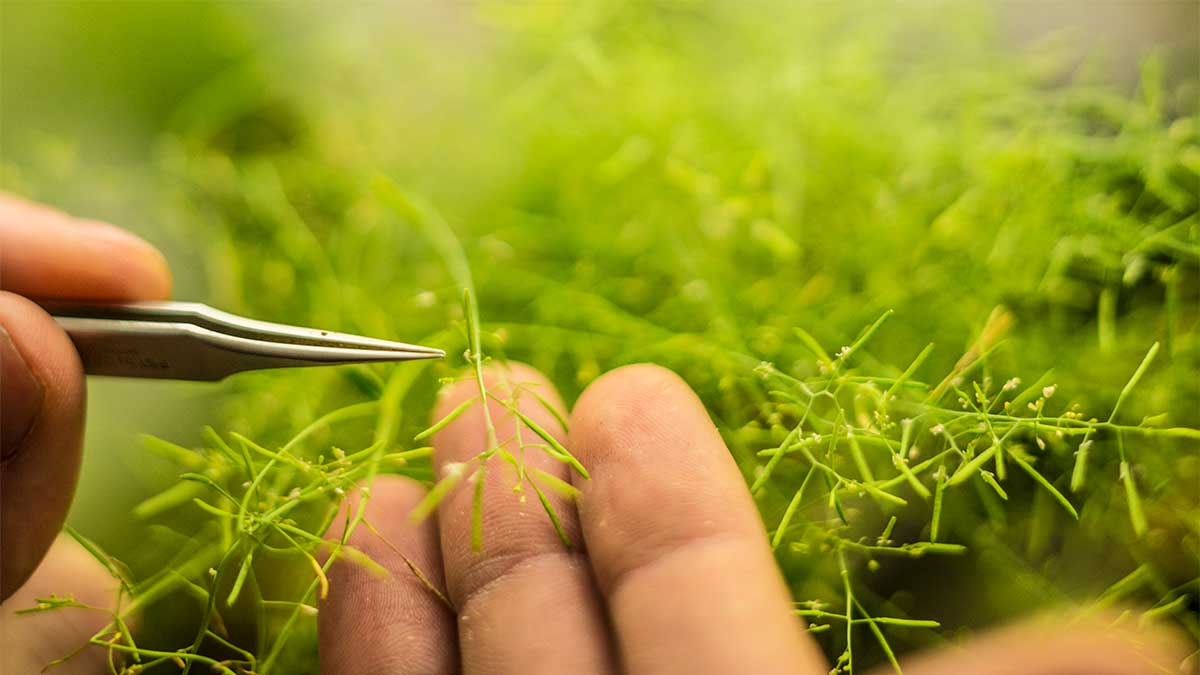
(730,193)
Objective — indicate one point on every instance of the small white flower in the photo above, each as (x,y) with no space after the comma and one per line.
(937,429)
(1012,384)
(1048,391)
(843,352)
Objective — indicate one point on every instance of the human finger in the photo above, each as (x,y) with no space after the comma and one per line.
(1058,644)
(398,623)
(675,540)
(47,254)
(526,603)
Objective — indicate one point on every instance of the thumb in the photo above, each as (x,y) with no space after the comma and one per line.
(41,434)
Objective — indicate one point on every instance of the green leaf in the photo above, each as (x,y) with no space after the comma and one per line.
(450,417)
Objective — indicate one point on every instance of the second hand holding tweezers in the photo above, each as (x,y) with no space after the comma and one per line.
(191,341)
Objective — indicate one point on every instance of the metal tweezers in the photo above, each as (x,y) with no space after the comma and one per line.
(191,341)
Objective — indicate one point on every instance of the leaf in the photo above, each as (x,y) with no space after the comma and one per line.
(173,453)
(564,454)
(435,496)
(560,487)
(1134,379)
(174,496)
(449,417)
(1046,484)
(991,481)
(549,509)
(866,335)
(477,507)
(908,372)
(243,571)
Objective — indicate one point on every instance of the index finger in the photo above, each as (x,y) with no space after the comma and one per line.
(47,254)
(676,543)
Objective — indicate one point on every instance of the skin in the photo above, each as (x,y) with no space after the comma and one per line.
(670,572)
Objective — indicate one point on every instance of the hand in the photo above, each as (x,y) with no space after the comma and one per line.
(47,254)
(672,572)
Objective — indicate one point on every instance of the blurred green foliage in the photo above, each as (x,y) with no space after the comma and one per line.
(685,183)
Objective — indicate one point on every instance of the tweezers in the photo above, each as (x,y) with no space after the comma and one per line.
(191,341)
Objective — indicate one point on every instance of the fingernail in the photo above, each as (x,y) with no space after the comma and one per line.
(20,397)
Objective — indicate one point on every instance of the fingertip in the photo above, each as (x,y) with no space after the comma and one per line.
(465,437)
(635,386)
(499,379)
(48,254)
(143,273)
(126,266)
(1067,640)
(629,406)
